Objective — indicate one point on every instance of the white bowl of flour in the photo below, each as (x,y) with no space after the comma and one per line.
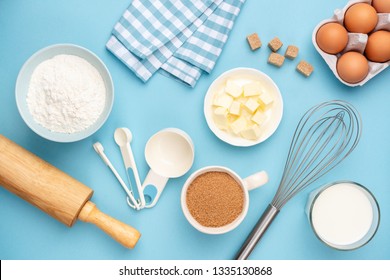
(64,93)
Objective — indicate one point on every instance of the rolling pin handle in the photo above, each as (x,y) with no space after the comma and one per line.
(121,232)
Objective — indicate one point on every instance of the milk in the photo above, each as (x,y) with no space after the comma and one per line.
(344,215)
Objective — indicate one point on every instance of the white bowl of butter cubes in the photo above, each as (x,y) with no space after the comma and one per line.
(243,107)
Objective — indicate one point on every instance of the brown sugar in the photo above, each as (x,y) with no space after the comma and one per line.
(254,41)
(215,199)
(276,59)
(305,68)
(291,52)
(275,44)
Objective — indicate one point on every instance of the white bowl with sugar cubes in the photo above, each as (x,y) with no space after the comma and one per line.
(243,107)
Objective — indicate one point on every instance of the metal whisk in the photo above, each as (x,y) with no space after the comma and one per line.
(326,134)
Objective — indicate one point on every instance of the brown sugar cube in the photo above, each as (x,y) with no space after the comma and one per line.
(305,68)
(291,52)
(276,59)
(275,44)
(254,41)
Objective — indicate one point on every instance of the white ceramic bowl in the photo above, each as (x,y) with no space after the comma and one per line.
(275,113)
(23,81)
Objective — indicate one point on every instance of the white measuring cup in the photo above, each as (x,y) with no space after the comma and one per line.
(169,154)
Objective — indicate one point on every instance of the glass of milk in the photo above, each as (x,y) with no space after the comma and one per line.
(344,215)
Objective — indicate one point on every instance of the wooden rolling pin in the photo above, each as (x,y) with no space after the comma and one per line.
(55,192)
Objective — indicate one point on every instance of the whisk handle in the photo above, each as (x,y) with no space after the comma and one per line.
(257,232)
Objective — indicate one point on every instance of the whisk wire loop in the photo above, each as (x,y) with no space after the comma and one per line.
(318,145)
(310,155)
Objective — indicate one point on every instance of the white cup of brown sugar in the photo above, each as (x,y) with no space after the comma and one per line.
(215,199)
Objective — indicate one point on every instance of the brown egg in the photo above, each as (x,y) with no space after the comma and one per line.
(378,46)
(381,6)
(360,18)
(352,67)
(332,37)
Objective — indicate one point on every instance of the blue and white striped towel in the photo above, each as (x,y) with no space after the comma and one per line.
(180,38)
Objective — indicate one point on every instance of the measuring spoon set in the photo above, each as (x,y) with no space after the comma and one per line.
(169,154)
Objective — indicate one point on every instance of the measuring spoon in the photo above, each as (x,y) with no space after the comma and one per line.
(123,137)
(169,154)
(98,147)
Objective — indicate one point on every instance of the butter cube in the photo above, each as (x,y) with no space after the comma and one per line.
(221,118)
(252,89)
(265,101)
(223,100)
(238,125)
(235,108)
(220,92)
(252,133)
(246,114)
(252,104)
(242,100)
(259,118)
(233,89)
(231,118)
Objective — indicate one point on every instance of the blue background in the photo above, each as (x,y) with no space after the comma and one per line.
(27,233)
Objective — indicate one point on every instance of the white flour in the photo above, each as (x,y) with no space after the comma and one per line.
(66,94)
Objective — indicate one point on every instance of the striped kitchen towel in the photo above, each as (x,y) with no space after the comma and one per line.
(179,38)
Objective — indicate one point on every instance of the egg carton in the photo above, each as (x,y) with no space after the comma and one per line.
(356,42)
